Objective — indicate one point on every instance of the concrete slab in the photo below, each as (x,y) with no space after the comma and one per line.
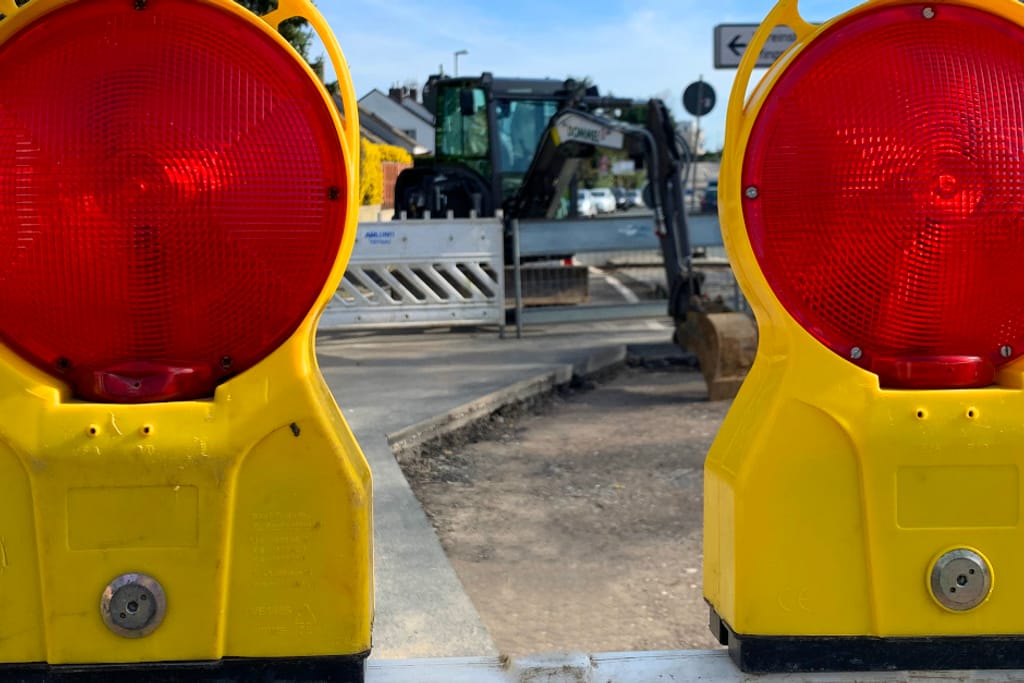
(634,667)
(406,387)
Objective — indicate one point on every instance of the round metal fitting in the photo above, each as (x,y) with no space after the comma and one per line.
(856,353)
(133,605)
(1006,351)
(752,192)
(961,580)
(928,13)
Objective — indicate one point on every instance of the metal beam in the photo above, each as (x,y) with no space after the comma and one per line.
(626,232)
(576,314)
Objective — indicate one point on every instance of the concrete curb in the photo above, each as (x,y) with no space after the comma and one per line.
(479,409)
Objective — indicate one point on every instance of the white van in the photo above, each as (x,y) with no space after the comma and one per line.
(603,199)
(584,204)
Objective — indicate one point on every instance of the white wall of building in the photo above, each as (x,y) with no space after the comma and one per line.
(399,117)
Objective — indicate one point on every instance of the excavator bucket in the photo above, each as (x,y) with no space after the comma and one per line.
(725,344)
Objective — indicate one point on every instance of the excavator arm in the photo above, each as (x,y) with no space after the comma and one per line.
(724,342)
(572,136)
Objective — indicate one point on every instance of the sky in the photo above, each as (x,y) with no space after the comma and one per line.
(629,48)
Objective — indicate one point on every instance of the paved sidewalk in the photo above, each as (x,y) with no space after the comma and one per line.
(399,387)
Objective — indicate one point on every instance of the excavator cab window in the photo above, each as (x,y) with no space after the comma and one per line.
(463,133)
(467,102)
(520,126)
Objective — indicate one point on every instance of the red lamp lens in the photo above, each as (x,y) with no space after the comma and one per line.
(889,214)
(171,196)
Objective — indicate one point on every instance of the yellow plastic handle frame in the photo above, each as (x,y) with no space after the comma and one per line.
(290,9)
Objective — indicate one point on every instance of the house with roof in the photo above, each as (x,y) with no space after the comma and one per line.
(400,110)
(377,130)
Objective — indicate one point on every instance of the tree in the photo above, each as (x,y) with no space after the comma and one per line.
(297,32)
(580,87)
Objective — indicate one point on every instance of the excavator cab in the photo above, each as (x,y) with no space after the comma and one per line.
(488,130)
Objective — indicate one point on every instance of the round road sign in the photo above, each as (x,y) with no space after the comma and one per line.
(699,98)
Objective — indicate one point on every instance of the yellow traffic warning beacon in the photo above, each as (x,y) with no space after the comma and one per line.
(863,499)
(181,497)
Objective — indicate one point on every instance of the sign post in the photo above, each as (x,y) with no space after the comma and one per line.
(698,99)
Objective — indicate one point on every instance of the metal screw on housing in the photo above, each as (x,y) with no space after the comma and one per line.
(133,605)
(961,580)
(856,353)
(1006,351)
(752,192)
(928,13)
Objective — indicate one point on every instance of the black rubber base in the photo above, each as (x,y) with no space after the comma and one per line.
(348,669)
(803,654)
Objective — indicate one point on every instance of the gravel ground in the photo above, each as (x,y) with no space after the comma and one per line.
(574,521)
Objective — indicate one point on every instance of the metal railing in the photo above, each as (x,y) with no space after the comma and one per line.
(619,258)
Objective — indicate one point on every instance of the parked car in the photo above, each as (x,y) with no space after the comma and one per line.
(634,198)
(603,199)
(584,204)
(621,201)
(709,203)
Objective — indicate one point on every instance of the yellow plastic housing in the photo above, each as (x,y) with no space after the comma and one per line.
(251,509)
(828,499)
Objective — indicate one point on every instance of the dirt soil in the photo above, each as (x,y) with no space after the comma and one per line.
(575,522)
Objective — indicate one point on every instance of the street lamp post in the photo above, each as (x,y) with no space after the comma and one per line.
(459,53)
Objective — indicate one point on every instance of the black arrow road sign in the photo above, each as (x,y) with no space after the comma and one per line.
(736,46)
(731,41)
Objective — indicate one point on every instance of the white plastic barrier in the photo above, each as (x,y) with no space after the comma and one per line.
(421,273)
